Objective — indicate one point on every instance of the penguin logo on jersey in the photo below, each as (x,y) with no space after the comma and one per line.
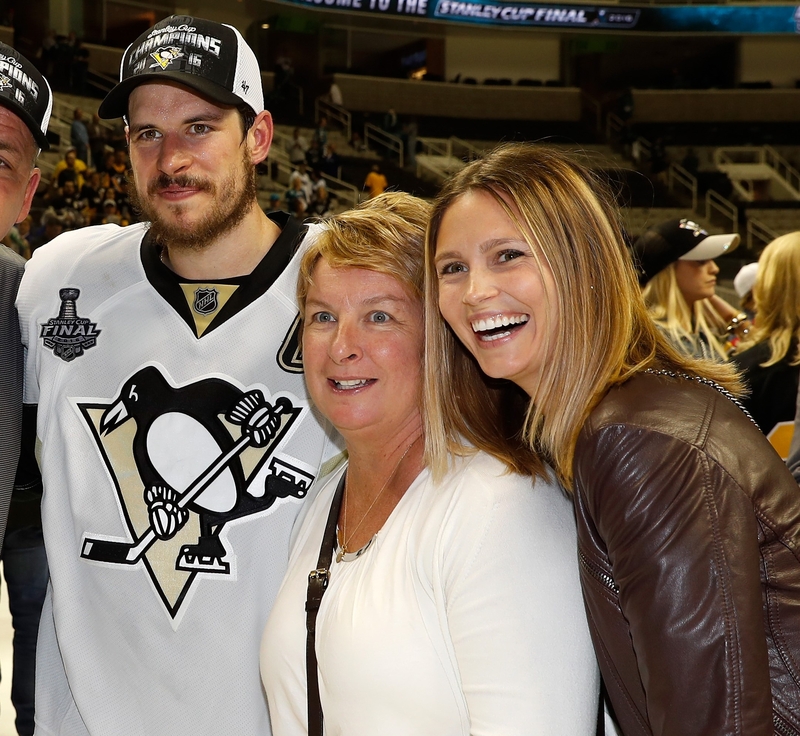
(69,335)
(205,300)
(5,82)
(185,462)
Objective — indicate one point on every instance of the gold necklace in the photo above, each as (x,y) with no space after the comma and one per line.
(343,542)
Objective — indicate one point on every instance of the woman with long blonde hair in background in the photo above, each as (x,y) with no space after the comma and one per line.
(770,355)
(679,275)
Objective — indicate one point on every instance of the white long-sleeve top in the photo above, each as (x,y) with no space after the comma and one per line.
(464,616)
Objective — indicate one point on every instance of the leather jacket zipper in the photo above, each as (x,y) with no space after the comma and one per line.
(782,728)
(601,575)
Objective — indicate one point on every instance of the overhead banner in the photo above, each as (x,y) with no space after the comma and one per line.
(737,19)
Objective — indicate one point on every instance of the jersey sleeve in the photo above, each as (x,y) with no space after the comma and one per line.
(514,609)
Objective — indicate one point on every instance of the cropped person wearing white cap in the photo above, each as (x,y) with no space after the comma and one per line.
(675,263)
(176,439)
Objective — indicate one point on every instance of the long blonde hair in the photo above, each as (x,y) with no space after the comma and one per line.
(604,334)
(777,298)
(683,323)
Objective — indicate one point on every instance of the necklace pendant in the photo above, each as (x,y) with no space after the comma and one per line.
(339,554)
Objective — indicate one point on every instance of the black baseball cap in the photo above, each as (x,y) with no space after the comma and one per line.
(677,240)
(25,92)
(210,58)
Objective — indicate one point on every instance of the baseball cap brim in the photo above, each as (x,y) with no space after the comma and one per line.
(33,126)
(115,104)
(712,247)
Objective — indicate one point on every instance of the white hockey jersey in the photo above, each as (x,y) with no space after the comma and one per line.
(176,447)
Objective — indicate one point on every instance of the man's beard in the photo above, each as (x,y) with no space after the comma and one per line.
(228,208)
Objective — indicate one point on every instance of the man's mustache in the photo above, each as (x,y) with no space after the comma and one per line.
(162,181)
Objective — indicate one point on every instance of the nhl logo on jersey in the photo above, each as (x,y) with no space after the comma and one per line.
(185,461)
(205,301)
(69,335)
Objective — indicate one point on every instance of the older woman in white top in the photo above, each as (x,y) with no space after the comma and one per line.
(453,607)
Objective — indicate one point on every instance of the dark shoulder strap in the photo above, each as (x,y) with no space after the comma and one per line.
(317,584)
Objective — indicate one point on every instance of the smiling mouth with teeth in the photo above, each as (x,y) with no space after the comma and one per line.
(349,385)
(494,328)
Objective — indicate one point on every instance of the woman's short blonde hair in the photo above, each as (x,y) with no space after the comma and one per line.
(603,333)
(385,234)
(777,299)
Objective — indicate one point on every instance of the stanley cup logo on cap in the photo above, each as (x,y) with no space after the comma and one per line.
(10,69)
(26,92)
(208,57)
(170,43)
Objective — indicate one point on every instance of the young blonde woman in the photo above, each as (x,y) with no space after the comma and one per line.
(770,356)
(679,275)
(688,522)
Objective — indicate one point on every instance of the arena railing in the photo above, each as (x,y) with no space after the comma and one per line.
(335,113)
(383,140)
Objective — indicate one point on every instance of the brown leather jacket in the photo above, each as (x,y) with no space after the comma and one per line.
(689,544)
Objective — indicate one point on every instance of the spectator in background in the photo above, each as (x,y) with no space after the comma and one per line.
(71,163)
(330,162)
(375,183)
(301,174)
(79,135)
(92,192)
(769,356)
(321,132)
(118,169)
(320,205)
(314,155)
(743,284)
(111,214)
(390,122)
(80,67)
(297,148)
(335,95)
(47,53)
(691,162)
(659,160)
(52,226)
(296,198)
(98,136)
(62,68)
(409,136)
(274,203)
(679,276)
(68,204)
(17,238)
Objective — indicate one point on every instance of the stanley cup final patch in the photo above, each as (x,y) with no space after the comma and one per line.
(68,335)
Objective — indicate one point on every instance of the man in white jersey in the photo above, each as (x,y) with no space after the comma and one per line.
(176,438)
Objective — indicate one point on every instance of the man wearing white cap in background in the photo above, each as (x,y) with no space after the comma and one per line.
(177,442)
(25,104)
